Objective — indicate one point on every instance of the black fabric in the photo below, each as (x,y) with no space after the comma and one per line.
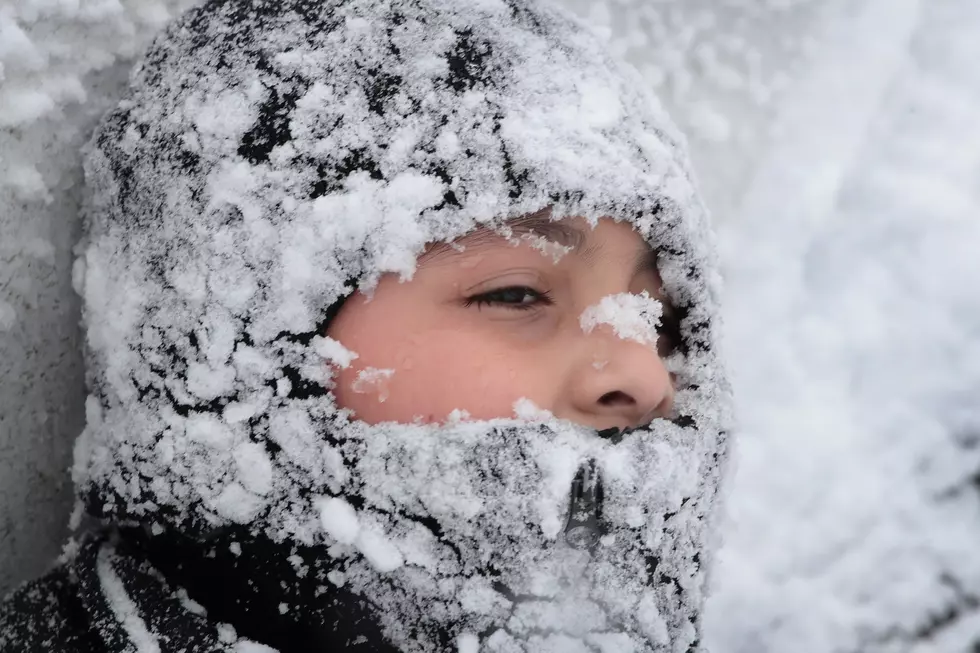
(257,585)
(75,609)
(47,616)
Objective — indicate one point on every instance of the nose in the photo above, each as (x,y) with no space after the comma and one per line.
(618,383)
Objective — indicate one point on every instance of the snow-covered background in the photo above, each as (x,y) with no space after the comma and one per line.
(838,144)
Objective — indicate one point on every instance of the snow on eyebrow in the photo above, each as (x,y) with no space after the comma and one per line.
(551,237)
(632,316)
(549,248)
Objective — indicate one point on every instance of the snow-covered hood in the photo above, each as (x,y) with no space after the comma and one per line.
(272,155)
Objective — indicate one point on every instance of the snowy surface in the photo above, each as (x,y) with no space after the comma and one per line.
(850,238)
(61,66)
(856,332)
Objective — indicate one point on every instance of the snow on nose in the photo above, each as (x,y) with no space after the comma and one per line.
(632,316)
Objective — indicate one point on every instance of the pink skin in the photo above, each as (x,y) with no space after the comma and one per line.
(450,351)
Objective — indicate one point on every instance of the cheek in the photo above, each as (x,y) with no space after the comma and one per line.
(436,372)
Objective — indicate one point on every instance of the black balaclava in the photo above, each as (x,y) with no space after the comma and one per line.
(271,156)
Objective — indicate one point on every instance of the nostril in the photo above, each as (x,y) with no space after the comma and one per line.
(616,398)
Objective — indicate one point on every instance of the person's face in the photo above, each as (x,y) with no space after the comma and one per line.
(479,329)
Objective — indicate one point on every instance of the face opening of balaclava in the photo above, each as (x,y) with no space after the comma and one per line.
(272,156)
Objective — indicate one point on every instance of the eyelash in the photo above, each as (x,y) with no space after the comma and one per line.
(494,298)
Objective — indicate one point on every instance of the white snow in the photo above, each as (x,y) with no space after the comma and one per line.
(468,643)
(237,504)
(122,605)
(372,380)
(631,316)
(333,351)
(854,326)
(254,467)
(339,520)
(246,646)
(210,382)
(379,550)
(209,430)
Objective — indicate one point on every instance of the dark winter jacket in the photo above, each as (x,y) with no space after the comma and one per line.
(122,590)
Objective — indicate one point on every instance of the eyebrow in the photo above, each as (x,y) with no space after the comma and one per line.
(539,224)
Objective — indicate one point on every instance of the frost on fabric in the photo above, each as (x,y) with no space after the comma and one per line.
(231,207)
(123,607)
(333,351)
(245,646)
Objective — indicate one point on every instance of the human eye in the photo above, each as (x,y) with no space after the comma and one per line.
(519,298)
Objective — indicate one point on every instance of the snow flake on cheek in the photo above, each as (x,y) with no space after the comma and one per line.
(373,380)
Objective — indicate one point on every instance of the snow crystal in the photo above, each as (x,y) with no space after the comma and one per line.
(524,408)
(548,248)
(237,504)
(632,316)
(246,646)
(227,633)
(333,351)
(380,551)
(333,465)
(373,380)
(336,577)
(479,597)
(255,469)
(209,430)
(339,520)
(190,604)
(652,622)
(209,382)
(237,411)
(468,643)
